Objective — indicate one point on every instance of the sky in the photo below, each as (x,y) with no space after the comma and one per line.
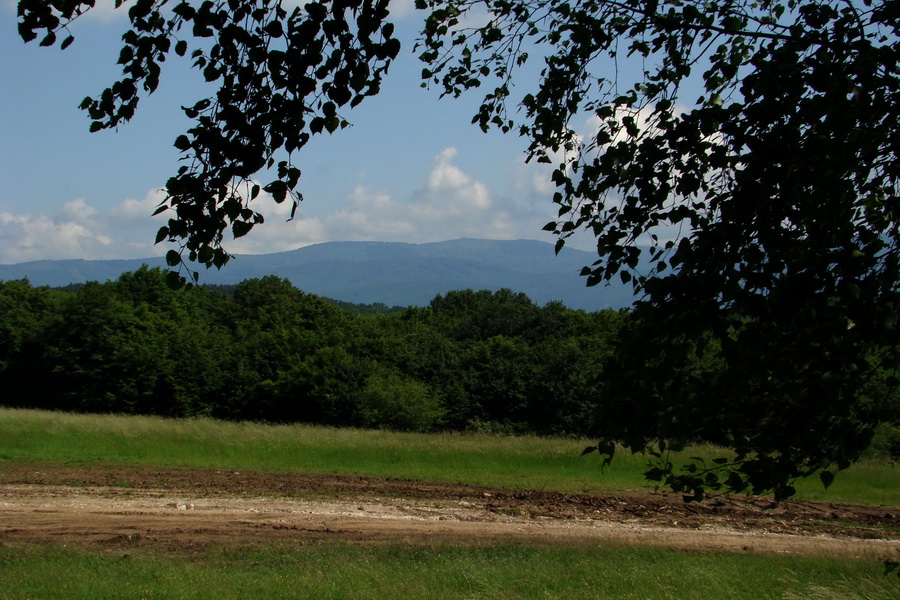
(411,168)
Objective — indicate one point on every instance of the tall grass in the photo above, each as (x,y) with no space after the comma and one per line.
(525,462)
(326,571)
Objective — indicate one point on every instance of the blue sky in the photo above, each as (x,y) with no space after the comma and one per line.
(411,168)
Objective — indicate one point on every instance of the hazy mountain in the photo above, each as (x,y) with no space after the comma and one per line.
(390,272)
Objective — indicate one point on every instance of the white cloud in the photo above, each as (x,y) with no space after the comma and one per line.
(278,233)
(451,190)
(372,215)
(450,204)
(27,237)
(402,8)
(534,180)
(80,230)
(131,209)
(76,211)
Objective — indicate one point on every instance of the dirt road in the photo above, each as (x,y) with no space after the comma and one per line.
(182,509)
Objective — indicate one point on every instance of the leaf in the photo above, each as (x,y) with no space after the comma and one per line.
(182,143)
(278,189)
(241,228)
(205,255)
(588,450)
(732,23)
(891,566)
(220,258)
(182,9)
(697,496)
(126,55)
(211,73)
(26,33)
(655,474)
(316,11)
(67,42)
(174,280)
(827,477)
(181,48)
(332,123)
(340,95)
(274,29)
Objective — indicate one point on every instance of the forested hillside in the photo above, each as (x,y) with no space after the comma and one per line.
(470,360)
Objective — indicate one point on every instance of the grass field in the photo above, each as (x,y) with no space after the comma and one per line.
(524,462)
(343,570)
(327,571)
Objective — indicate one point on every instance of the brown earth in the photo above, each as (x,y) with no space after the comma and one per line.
(181,509)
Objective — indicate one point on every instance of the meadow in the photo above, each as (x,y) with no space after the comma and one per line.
(392,570)
(516,462)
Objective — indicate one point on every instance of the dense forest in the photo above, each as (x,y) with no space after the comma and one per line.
(265,351)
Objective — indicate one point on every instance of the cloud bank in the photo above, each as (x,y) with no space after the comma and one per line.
(449,203)
(80,230)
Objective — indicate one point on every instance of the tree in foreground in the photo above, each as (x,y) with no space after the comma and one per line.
(745,182)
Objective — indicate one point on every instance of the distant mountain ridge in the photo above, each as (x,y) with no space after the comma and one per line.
(393,273)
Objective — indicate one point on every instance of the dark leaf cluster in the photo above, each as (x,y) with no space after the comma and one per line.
(282,78)
(748,152)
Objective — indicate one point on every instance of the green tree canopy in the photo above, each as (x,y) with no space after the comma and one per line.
(755,154)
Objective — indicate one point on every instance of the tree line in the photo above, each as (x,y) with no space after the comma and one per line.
(267,351)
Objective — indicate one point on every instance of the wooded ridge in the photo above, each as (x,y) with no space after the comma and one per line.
(391,273)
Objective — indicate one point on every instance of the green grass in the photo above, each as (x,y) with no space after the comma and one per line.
(525,462)
(325,571)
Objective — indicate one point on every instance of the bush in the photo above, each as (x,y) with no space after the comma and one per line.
(391,401)
(886,441)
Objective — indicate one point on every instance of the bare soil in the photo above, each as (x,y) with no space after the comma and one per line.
(183,509)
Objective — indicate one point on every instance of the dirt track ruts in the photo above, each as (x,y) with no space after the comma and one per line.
(182,509)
